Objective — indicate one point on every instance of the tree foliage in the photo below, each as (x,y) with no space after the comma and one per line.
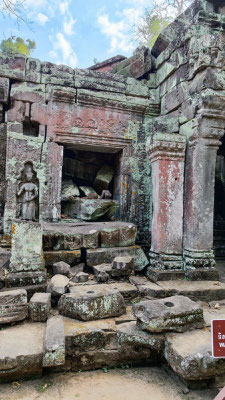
(156,18)
(17,45)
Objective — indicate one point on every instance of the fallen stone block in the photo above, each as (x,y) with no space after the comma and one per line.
(87,191)
(155,275)
(13,306)
(129,334)
(150,289)
(77,268)
(92,302)
(107,255)
(176,313)
(102,272)
(103,178)
(118,236)
(69,189)
(190,355)
(21,351)
(81,277)
(122,266)
(39,307)
(58,285)
(54,343)
(71,257)
(25,278)
(80,169)
(90,209)
(61,268)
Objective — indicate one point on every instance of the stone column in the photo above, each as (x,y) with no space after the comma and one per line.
(199,198)
(167,157)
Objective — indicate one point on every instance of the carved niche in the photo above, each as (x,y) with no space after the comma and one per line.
(28,194)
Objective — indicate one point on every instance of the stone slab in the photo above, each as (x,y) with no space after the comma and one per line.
(71,257)
(213,313)
(13,306)
(21,351)
(89,335)
(27,253)
(190,355)
(54,343)
(195,290)
(91,302)
(25,279)
(129,334)
(106,255)
(151,289)
(39,307)
(75,235)
(175,313)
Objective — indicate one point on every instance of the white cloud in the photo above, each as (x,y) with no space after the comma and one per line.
(42,18)
(119,33)
(64,7)
(68,25)
(63,48)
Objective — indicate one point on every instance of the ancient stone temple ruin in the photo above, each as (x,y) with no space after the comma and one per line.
(112,195)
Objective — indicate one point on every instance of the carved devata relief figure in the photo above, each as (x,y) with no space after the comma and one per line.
(27,194)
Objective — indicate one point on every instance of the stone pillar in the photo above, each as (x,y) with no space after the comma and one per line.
(167,157)
(199,198)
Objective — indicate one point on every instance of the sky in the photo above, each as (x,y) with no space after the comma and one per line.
(75,32)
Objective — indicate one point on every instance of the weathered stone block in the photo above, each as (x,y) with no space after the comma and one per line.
(155,275)
(71,257)
(21,352)
(90,209)
(80,169)
(54,343)
(102,272)
(61,268)
(4,90)
(13,306)
(58,285)
(27,253)
(92,302)
(129,334)
(103,178)
(69,189)
(106,255)
(122,266)
(176,313)
(25,278)
(87,191)
(190,355)
(81,277)
(39,307)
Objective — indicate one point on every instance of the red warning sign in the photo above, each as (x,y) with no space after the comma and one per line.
(218,338)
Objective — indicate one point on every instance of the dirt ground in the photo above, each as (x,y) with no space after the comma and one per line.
(116,384)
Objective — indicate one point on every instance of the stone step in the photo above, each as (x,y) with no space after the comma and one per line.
(195,290)
(77,235)
(107,255)
(21,351)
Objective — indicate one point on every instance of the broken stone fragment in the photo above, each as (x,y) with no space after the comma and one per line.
(58,285)
(61,268)
(13,306)
(102,272)
(106,194)
(103,178)
(77,268)
(69,189)
(92,302)
(122,266)
(129,334)
(54,343)
(39,307)
(87,191)
(81,277)
(175,313)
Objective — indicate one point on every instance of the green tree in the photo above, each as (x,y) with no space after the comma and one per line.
(17,45)
(156,18)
